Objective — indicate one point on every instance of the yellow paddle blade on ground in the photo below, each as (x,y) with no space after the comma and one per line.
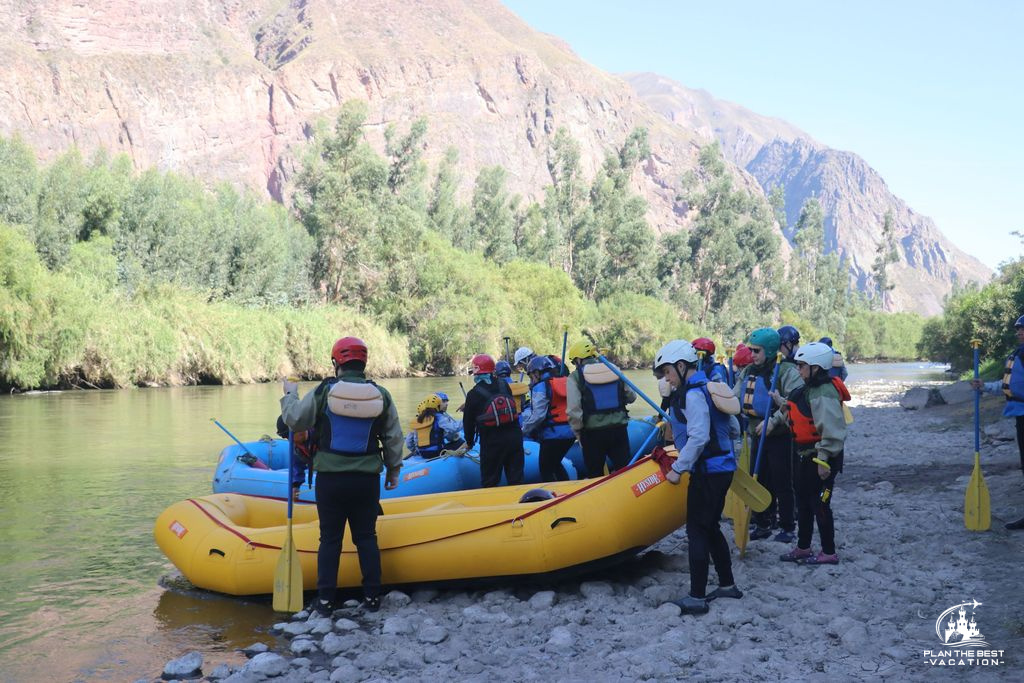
(977,514)
(288,577)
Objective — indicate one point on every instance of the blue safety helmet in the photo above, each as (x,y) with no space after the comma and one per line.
(540,364)
(788,335)
(1020,322)
(827,341)
(503,369)
(441,395)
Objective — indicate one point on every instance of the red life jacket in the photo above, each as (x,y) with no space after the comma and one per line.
(801,421)
(558,412)
(501,407)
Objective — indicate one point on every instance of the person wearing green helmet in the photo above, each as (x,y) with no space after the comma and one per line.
(752,389)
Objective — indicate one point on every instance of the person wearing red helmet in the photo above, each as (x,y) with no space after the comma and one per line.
(713,370)
(357,433)
(491,414)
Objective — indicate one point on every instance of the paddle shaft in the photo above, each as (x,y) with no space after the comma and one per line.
(977,407)
(565,345)
(508,356)
(767,412)
(233,437)
(463,390)
(643,446)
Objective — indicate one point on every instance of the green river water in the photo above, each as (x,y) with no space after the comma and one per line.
(85,594)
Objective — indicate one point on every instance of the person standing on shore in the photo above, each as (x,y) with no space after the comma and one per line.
(751,389)
(1012,387)
(702,436)
(357,433)
(815,415)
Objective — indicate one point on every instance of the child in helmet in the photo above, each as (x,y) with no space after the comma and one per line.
(596,401)
(815,415)
(702,435)
(429,434)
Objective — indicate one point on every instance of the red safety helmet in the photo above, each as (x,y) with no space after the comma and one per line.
(704,344)
(348,349)
(482,364)
(743,357)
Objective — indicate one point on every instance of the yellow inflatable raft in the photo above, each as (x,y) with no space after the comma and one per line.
(230,542)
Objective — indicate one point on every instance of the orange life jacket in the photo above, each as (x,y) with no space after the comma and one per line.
(801,421)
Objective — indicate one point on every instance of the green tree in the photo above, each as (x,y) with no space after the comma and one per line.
(730,242)
(19,182)
(566,205)
(446,215)
(365,234)
(492,215)
(818,280)
(619,217)
(886,254)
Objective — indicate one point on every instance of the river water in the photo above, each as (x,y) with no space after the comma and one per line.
(84,592)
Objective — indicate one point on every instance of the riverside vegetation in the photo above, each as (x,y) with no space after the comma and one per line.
(113,278)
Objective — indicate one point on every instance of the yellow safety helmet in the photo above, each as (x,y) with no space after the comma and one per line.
(582,349)
(432,401)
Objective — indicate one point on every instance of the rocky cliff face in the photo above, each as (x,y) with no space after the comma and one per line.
(854,197)
(229,89)
(225,89)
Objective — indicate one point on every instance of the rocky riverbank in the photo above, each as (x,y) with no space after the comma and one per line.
(905,559)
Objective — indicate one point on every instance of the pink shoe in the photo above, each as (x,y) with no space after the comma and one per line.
(821,558)
(797,555)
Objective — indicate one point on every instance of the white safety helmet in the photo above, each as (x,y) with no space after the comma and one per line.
(522,355)
(675,351)
(815,353)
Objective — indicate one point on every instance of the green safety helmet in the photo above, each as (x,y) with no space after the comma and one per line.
(767,339)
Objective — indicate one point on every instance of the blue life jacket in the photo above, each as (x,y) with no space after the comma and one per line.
(755,396)
(349,434)
(1013,384)
(717,455)
(716,372)
(600,398)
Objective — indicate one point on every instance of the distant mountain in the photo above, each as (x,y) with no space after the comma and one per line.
(854,197)
(229,90)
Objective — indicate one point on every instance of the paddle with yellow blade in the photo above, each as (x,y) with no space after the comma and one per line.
(977,515)
(742,526)
(747,488)
(288,574)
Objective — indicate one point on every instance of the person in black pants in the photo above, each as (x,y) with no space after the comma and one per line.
(357,434)
(490,412)
(548,422)
(1012,387)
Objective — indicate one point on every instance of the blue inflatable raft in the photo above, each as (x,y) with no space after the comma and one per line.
(269,478)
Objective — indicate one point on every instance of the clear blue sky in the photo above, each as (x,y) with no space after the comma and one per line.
(931,94)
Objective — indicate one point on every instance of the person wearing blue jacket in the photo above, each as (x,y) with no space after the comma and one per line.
(547,422)
(702,436)
(1012,387)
